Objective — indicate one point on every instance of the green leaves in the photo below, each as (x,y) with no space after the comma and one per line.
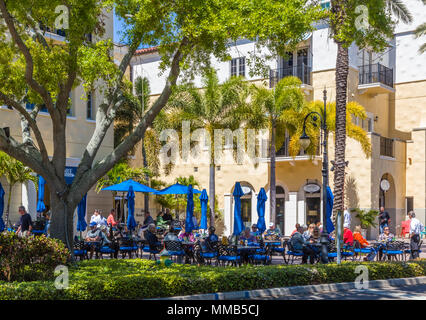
(14,170)
(143,279)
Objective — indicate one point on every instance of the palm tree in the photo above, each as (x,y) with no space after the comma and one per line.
(128,116)
(15,172)
(210,108)
(421,31)
(266,111)
(294,121)
(341,20)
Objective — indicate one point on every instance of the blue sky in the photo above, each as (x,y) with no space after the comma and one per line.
(118,27)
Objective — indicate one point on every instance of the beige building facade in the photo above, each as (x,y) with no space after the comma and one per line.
(392,88)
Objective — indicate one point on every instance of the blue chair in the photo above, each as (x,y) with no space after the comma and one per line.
(80,250)
(106,250)
(127,247)
(153,250)
(175,249)
(423,233)
(394,250)
(292,253)
(228,255)
(206,252)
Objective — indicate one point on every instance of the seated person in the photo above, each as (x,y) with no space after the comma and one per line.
(167,217)
(171,235)
(151,237)
(386,236)
(272,233)
(212,237)
(348,238)
(95,235)
(296,228)
(111,219)
(186,236)
(247,236)
(297,241)
(309,232)
(255,231)
(160,221)
(358,237)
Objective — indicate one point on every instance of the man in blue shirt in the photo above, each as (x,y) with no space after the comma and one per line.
(25,223)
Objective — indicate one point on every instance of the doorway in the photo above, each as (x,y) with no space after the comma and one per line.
(280,209)
(313,210)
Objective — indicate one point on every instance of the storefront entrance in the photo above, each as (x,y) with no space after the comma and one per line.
(313,210)
(280,209)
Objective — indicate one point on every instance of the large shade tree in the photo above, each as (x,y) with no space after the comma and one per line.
(42,71)
(367,23)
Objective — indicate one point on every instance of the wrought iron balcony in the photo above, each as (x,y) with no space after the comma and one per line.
(376,73)
(302,71)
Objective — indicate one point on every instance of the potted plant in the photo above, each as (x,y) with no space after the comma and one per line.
(366,218)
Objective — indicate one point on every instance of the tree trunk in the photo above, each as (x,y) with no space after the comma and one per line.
(272,182)
(342,70)
(62,220)
(212,194)
(9,197)
(145,165)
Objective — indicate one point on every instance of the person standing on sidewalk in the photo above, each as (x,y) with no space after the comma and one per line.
(25,223)
(416,228)
(384,219)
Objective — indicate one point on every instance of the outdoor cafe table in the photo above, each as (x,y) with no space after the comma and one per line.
(245,251)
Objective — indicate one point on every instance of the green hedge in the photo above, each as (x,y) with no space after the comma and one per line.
(136,279)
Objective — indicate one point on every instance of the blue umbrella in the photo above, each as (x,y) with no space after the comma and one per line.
(125,186)
(40,200)
(131,223)
(1,207)
(330,200)
(176,189)
(238,220)
(189,225)
(203,199)
(81,215)
(261,199)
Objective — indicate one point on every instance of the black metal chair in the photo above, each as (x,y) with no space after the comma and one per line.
(128,247)
(292,253)
(80,250)
(228,255)
(394,250)
(175,249)
(206,252)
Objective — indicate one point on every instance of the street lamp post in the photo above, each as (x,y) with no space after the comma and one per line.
(304,142)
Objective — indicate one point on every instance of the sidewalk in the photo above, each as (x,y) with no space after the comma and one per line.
(301,290)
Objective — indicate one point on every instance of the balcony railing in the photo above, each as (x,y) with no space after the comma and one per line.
(386,147)
(302,71)
(283,151)
(376,73)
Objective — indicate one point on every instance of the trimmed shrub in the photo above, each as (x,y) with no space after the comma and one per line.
(29,259)
(142,279)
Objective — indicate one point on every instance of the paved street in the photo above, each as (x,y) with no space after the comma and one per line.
(415,292)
